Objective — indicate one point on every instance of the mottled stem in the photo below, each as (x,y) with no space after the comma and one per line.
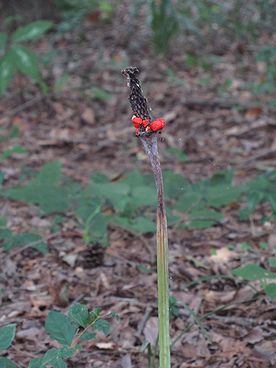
(150,147)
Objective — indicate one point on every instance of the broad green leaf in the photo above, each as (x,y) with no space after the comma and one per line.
(204,218)
(3,40)
(36,363)
(26,61)
(222,195)
(44,191)
(270,291)
(133,178)
(87,209)
(253,272)
(143,196)
(78,313)
(188,201)
(88,336)
(139,225)
(59,327)
(50,199)
(13,240)
(31,31)
(96,230)
(50,173)
(67,352)
(54,358)
(6,363)
(7,70)
(272,261)
(175,184)
(115,193)
(6,234)
(102,325)
(7,334)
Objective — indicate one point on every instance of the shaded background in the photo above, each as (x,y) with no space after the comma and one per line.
(208,67)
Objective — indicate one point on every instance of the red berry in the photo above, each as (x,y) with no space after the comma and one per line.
(136,121)
(157,124)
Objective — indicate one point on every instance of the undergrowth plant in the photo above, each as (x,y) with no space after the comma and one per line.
(147,130)
(69,331)
(16,57)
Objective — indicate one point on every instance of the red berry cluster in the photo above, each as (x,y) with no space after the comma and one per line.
(147,127)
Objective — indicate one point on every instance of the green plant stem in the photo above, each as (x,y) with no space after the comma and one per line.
(150,146)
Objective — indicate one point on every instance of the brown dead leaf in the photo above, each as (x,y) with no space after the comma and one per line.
(151,330)
(267,350)
(255,335)
(88,116)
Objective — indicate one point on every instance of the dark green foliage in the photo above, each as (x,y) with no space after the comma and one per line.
(80,325)
(12,240)
(44,190)
(7,334)
(130,201)
(59,327)
(6,363)
(164,24)
(258,191)
(253,272)
(267,54)
(19,58)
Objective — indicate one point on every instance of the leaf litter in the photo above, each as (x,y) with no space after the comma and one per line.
(228,323)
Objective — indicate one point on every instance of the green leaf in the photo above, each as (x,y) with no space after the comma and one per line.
(272,261)
(8,153)
(96,230)
(143,196)
(78,313)
(204,218)
(188,201)
(87,209)
(44,191)
(223,195)
(253,272)
(115,193)
(102,325)
(270,291)
(6,363)
(139,225)
(26,61)
(13,240)
(53,357)
(3,40)
(59,327)
(50,173)
(7,334)
(36,363)
(175,184)
(88,336)
(7,70)
(31,31)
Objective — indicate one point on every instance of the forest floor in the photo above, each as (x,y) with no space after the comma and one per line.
(232,324)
